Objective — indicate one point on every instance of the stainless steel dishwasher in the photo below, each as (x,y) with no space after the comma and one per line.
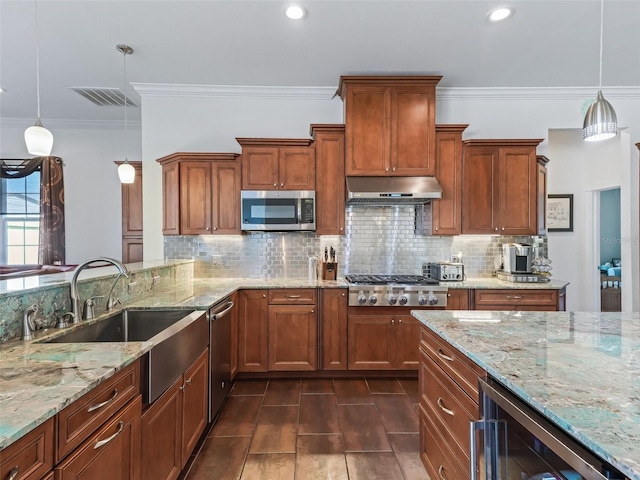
(219,354)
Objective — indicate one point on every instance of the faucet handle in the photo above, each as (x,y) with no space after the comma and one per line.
(112,302)
(62,319)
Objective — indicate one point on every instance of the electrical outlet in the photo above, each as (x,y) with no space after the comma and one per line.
(216,260)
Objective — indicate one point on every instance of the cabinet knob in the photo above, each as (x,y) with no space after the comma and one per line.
(207,229)
(275,184)
(394,169)
(311,311)
(400,321)
(264,296)
(393,321)
(436,229)
(496,229)
(343,295)
(341,228)
(282,184)
(502,228)
(215,228)
(386,169)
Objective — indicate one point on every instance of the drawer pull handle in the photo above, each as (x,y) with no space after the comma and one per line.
(441,473)
(13,473)
(445,409)
(514,297)
(107,440)
(292,296)
(445,356)
(100,405)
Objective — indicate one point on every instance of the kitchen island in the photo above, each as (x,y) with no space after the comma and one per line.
(580,370)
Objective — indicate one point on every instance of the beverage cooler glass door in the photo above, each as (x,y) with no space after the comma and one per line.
(514,442)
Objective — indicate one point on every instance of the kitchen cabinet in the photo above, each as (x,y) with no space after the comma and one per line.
(448,386)
(113,451)
(328,142)
(447,211)
(172,425)
(458,299)
(520,299)
(390,124)
(31,457)
(132,216)
(201,193)
(252,330)
(384,340)
(333,325)
(542,194)
(500,187)
(277,164)
(293,330)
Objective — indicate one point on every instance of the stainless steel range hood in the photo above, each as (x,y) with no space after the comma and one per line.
(392,190)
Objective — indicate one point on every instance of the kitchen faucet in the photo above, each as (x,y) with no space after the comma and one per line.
(75,298)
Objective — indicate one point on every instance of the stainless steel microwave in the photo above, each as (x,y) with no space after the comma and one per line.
(278,210)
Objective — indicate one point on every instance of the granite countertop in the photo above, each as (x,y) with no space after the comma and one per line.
(581,370)
(492,282)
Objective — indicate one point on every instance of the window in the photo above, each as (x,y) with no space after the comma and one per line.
(20,219)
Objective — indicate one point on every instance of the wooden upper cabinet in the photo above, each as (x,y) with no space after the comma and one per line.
(132,203)
(542,194)
(201,193)
(277,164)
(447,211)
(500,187)
(328,142)
(390,124)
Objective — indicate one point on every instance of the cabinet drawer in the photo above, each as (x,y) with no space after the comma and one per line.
(85,415)
(462,370)
(292,296)
(439,461)
(446,405)
(30,457)
(516,297)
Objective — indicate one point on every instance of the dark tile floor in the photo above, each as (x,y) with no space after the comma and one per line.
(358,429)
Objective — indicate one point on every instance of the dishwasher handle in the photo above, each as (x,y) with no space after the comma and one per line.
(217,315)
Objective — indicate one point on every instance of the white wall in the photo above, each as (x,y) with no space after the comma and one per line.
(93,204)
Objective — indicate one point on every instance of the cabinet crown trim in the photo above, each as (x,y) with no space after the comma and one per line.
(393,80)
(325,128)
(504,142)
(197,156)
(274,142)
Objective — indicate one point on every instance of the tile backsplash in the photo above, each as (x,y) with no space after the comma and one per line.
(380,239)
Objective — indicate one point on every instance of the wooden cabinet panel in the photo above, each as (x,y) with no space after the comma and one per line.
(132,203)
(293,296)
(542,194)
(371,342)
(80,419)
(195,395)
(514,299)
(439,461)
(259,168)
(458,299)
(330,183)
(334,328)
(297,168)
(171,199)
(226,197)
(293,338)
(30,457)
(518,191)
(447,211)
(111,453)
(195,198)
(252,331)
(480,197)
(132,249)
(407,340)
(234,337)
(162,436)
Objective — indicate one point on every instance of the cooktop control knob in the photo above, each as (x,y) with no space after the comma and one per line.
(373,299)
(392,299)
(403,300)
(362,299)
(433,300)
(422,300)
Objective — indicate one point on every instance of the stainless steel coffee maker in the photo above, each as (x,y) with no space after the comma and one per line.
(517,257)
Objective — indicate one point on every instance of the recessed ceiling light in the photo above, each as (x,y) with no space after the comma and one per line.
(295,12)
(499,14)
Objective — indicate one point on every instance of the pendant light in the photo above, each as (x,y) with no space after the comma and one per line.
(126,172)
(39,140)
(600,122)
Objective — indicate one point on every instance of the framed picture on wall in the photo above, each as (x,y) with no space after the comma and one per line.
(560,213)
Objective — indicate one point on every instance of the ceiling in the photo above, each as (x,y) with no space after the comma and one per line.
(238,42)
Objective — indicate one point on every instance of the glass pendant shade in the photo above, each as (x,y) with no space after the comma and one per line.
(126,172)
(600,122)
(39,140)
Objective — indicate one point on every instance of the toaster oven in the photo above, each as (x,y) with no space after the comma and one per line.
(444,271)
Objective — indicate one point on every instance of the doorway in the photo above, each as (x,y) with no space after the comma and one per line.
(610,251)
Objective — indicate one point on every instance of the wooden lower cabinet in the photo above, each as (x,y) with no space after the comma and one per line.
(333,325)
(458,299)
(30,457)
(111,453)
(252,330)
(195,397)
(520,299)
(293,338)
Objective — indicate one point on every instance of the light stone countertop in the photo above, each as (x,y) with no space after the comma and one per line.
(581,370)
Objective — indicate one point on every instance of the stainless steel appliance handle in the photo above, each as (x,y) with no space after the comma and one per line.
(299,219)
(222,313)
(473,447)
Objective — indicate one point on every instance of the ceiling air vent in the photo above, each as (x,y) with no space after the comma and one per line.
(104,97)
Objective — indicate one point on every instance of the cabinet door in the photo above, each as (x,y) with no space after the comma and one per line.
(226,197)
(171,199)
(112,453)
(132,249)
(330,183)
(31,456)
(195,198)
(447,211)
(542,195)
(407,333)
(293,338)
(458,299)
(334,328)
(518,173)
(371,340)
(297,168)
(195,395)
(412,127)
(234,337)
(367,131)
(132,204)
(162,436)
(252,331)
(480,190)
(259,168)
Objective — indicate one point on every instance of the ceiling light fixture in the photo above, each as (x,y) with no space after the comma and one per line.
(499,14)
(600,122)
(39,140)
(295,12)
(126,172)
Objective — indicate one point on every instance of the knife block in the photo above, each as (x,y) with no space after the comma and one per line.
(329,270)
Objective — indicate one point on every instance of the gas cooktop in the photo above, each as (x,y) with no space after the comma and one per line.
(396,290)
(390,279)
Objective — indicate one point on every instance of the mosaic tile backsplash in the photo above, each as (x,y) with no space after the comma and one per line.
(381,239)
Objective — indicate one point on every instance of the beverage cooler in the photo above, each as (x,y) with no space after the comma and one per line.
(514,442)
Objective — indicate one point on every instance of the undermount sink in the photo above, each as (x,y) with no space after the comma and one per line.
(125,326)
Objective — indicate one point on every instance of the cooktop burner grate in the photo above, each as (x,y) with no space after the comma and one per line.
(387,279)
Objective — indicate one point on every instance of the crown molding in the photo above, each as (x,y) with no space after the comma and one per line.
(534,93)
(233,91)
(64,123)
